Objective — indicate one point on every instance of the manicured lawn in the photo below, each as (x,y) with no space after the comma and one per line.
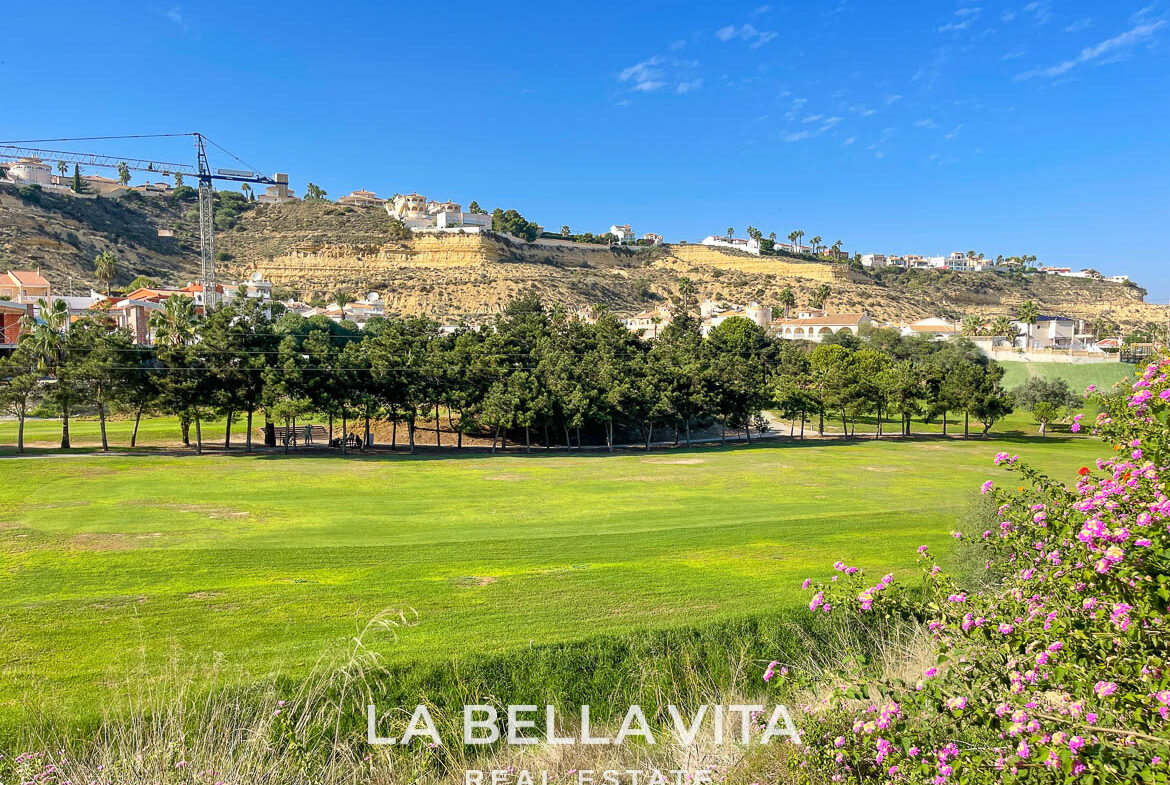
(1078,376)
(115,566)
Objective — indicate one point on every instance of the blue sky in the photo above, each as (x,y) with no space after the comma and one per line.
(1005,127)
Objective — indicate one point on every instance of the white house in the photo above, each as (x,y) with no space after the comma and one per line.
(874,260)
(934,327)
(30,171)
(714,314)
(1049,332)
(733,243)
(417,213)
(816,325)
(648,324)
(653,239)
(623,233)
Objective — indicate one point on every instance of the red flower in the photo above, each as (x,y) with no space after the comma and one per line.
(1083,471)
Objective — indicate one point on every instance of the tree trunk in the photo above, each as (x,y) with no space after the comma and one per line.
(65,427)
(438,440)
(459,432)
(248,435)
(649,434)
(287,429)
(198,434)
(495,437)
(820,421)
(966,424)
(366,443)
(688,432)
(802,413)
(568,442)
(527,439)
(394,435)
(330,429)
(547,441)
(747,431)
(944,422)
(134,433)
(185,428)
(609,438)
(20,433)
(410,432)
(578,437)
(227,434)
(344,433)
(723,433)
(102,425)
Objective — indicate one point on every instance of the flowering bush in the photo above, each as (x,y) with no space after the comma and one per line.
(1056,670)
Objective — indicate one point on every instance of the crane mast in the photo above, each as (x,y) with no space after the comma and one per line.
(202,171)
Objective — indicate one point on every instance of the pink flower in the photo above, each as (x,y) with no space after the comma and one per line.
(1104,689)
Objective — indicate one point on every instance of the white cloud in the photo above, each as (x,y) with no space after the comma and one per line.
(643,71)
(747,32)
(649,86)
(812,118)
(676,45)
(953,27)
(954,131)
(1008,15)
(892,99)
(926,122)
(1041,11)
(1114,46)
(798,136)
(849,141)
(688,86)
(1079,25)
(969,11)
(1014,54)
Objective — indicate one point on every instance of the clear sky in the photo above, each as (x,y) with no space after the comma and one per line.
(919,126)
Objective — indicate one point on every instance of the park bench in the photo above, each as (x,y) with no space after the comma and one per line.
(301,434)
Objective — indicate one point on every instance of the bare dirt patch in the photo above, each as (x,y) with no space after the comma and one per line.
(476,580)
(204,595)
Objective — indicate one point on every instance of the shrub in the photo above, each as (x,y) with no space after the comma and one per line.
(1056,672)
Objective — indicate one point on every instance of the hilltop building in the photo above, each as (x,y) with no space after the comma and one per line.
(417,213)
(23,286)
(623,233)
(361,198)
(733,243)
(279,193)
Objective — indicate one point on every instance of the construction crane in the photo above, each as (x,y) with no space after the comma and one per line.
(201,171)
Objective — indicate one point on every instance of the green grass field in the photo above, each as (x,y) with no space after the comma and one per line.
(119,564)
(1078,376)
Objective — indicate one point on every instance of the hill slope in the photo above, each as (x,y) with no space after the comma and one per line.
(317,248)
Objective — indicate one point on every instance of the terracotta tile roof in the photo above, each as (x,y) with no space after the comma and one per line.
(27,278)
(831,319)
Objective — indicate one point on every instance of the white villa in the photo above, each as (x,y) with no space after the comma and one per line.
(712,314)
(417,213)
(648,324)
(623,233)
(816,325)
(734,243)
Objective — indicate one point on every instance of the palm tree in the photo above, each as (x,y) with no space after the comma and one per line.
(1002,325)
(62,168)
(342,298)
(105,267)
(799,235)
(1029,314)
(175,324)
(787,299)
(772,237)
(686,288)
(837,249)
(972,325)
(792,236)
(816,242)
(565,231)
(46,337)
(730,232)
(821,297)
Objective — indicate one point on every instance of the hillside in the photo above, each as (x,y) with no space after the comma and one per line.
(316,248)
